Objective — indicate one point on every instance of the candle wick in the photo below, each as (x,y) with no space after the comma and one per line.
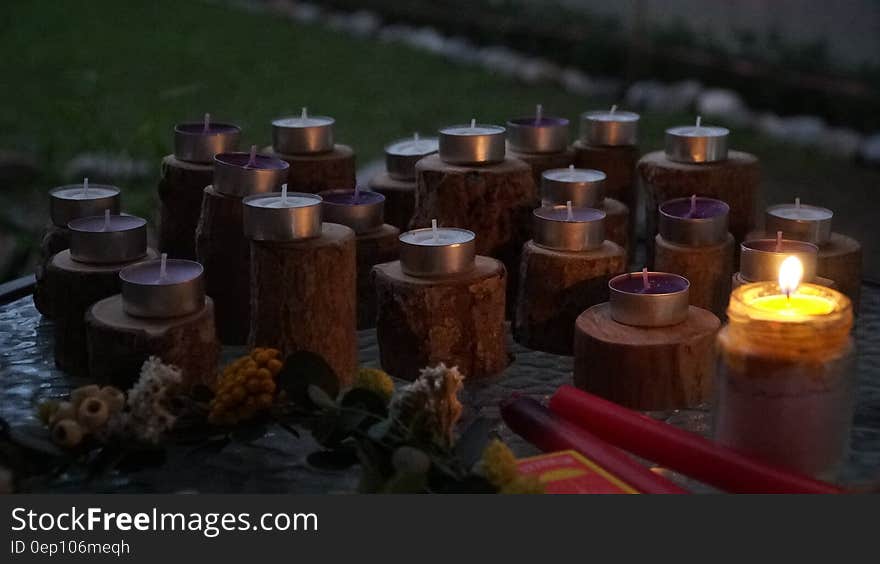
(107,220)
(85,186)
(613,108)
(207,122)
(539,113)
(645,282)
(473,123)
(797,203)
(779,241)
(284,194)
(163,266)
(357,193)
(416,136)
(305,114)
(434,231)
(569,214)
(699,120)
(252,160)
(693,209)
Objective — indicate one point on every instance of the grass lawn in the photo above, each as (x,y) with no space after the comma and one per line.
(111,76)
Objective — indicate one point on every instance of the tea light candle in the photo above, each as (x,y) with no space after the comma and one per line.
(610,128)
(282,216)
(800,221)
(472,144)
(583,187)
(163,288)
(694,221)
(108,238)
(761,259)
(243,174)
(303,135)
(649,299)
(358,209)
(786,385)
(538,133)
(73,201)
(402,155)
(437,251)
(569,228)
(198,142)
(696,143)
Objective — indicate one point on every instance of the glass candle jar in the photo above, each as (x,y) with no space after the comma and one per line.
(785,384)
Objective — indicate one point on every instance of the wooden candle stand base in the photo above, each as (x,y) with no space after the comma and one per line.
(181,187)
(494,201)
(457,320)
(738,281)
(617,224)
(333,170)
(657,368)
(735,181)
(55,239)
(400,199)
(303,297)
(373,248)
(619,165)
(839,260)
(70,289)
(555,287)
(708,269)
(224,251)
(539,162)
(120,343)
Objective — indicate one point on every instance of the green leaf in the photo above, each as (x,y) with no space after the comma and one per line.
(365,400)
(320,398)
(303,369)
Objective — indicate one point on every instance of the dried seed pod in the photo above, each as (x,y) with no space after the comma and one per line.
(78,395)
(93,413)
(113,397)
(65,410)
(67,433)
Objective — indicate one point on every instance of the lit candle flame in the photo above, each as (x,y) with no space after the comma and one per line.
(791,271)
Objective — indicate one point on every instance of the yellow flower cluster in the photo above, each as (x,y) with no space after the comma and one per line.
(499,466)
(246,387)
(376,381)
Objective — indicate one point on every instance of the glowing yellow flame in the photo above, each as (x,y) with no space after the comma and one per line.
(790,273)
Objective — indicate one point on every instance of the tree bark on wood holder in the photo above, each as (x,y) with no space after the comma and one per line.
(373,248)
(457,320)
(120,343)
(181,188)
(839,260)
(225,253)
(617,224)
(657,368)
(557,286)
(313,173)
(735,181)
(400,199)
(55,239)
(494,201)
(619,165)
(303,297)
(70,289)
(709,270)
(540,162)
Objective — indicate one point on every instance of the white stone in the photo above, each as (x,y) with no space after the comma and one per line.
(841,142)
(101,166)
(724,104)
(576,82)
(804,130)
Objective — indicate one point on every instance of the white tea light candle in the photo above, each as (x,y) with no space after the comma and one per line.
(437,251)
(472,144)
(282,216)
(304,134)
(697,143)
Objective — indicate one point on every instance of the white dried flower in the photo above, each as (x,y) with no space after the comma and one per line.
(148,416)
(432,401)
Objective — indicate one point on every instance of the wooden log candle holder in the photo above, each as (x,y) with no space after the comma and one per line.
(161,311)
(696,161)
(87,272)
(375,240)
(564,271)
(67,203)
(646,348)
(440,303)
(303,280)
(693,242)
(184,175)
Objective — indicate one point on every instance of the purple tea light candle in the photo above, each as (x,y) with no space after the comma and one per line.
(198,142)
(474,144)
(108,238)
(583,187)
(303,135)
(243,174)
(538,133)
(649,299)
(163,288)
(73,201)
(361,210)
(569,228)
(694,221)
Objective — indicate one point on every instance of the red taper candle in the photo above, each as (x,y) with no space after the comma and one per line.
(677,449)
(538,425)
